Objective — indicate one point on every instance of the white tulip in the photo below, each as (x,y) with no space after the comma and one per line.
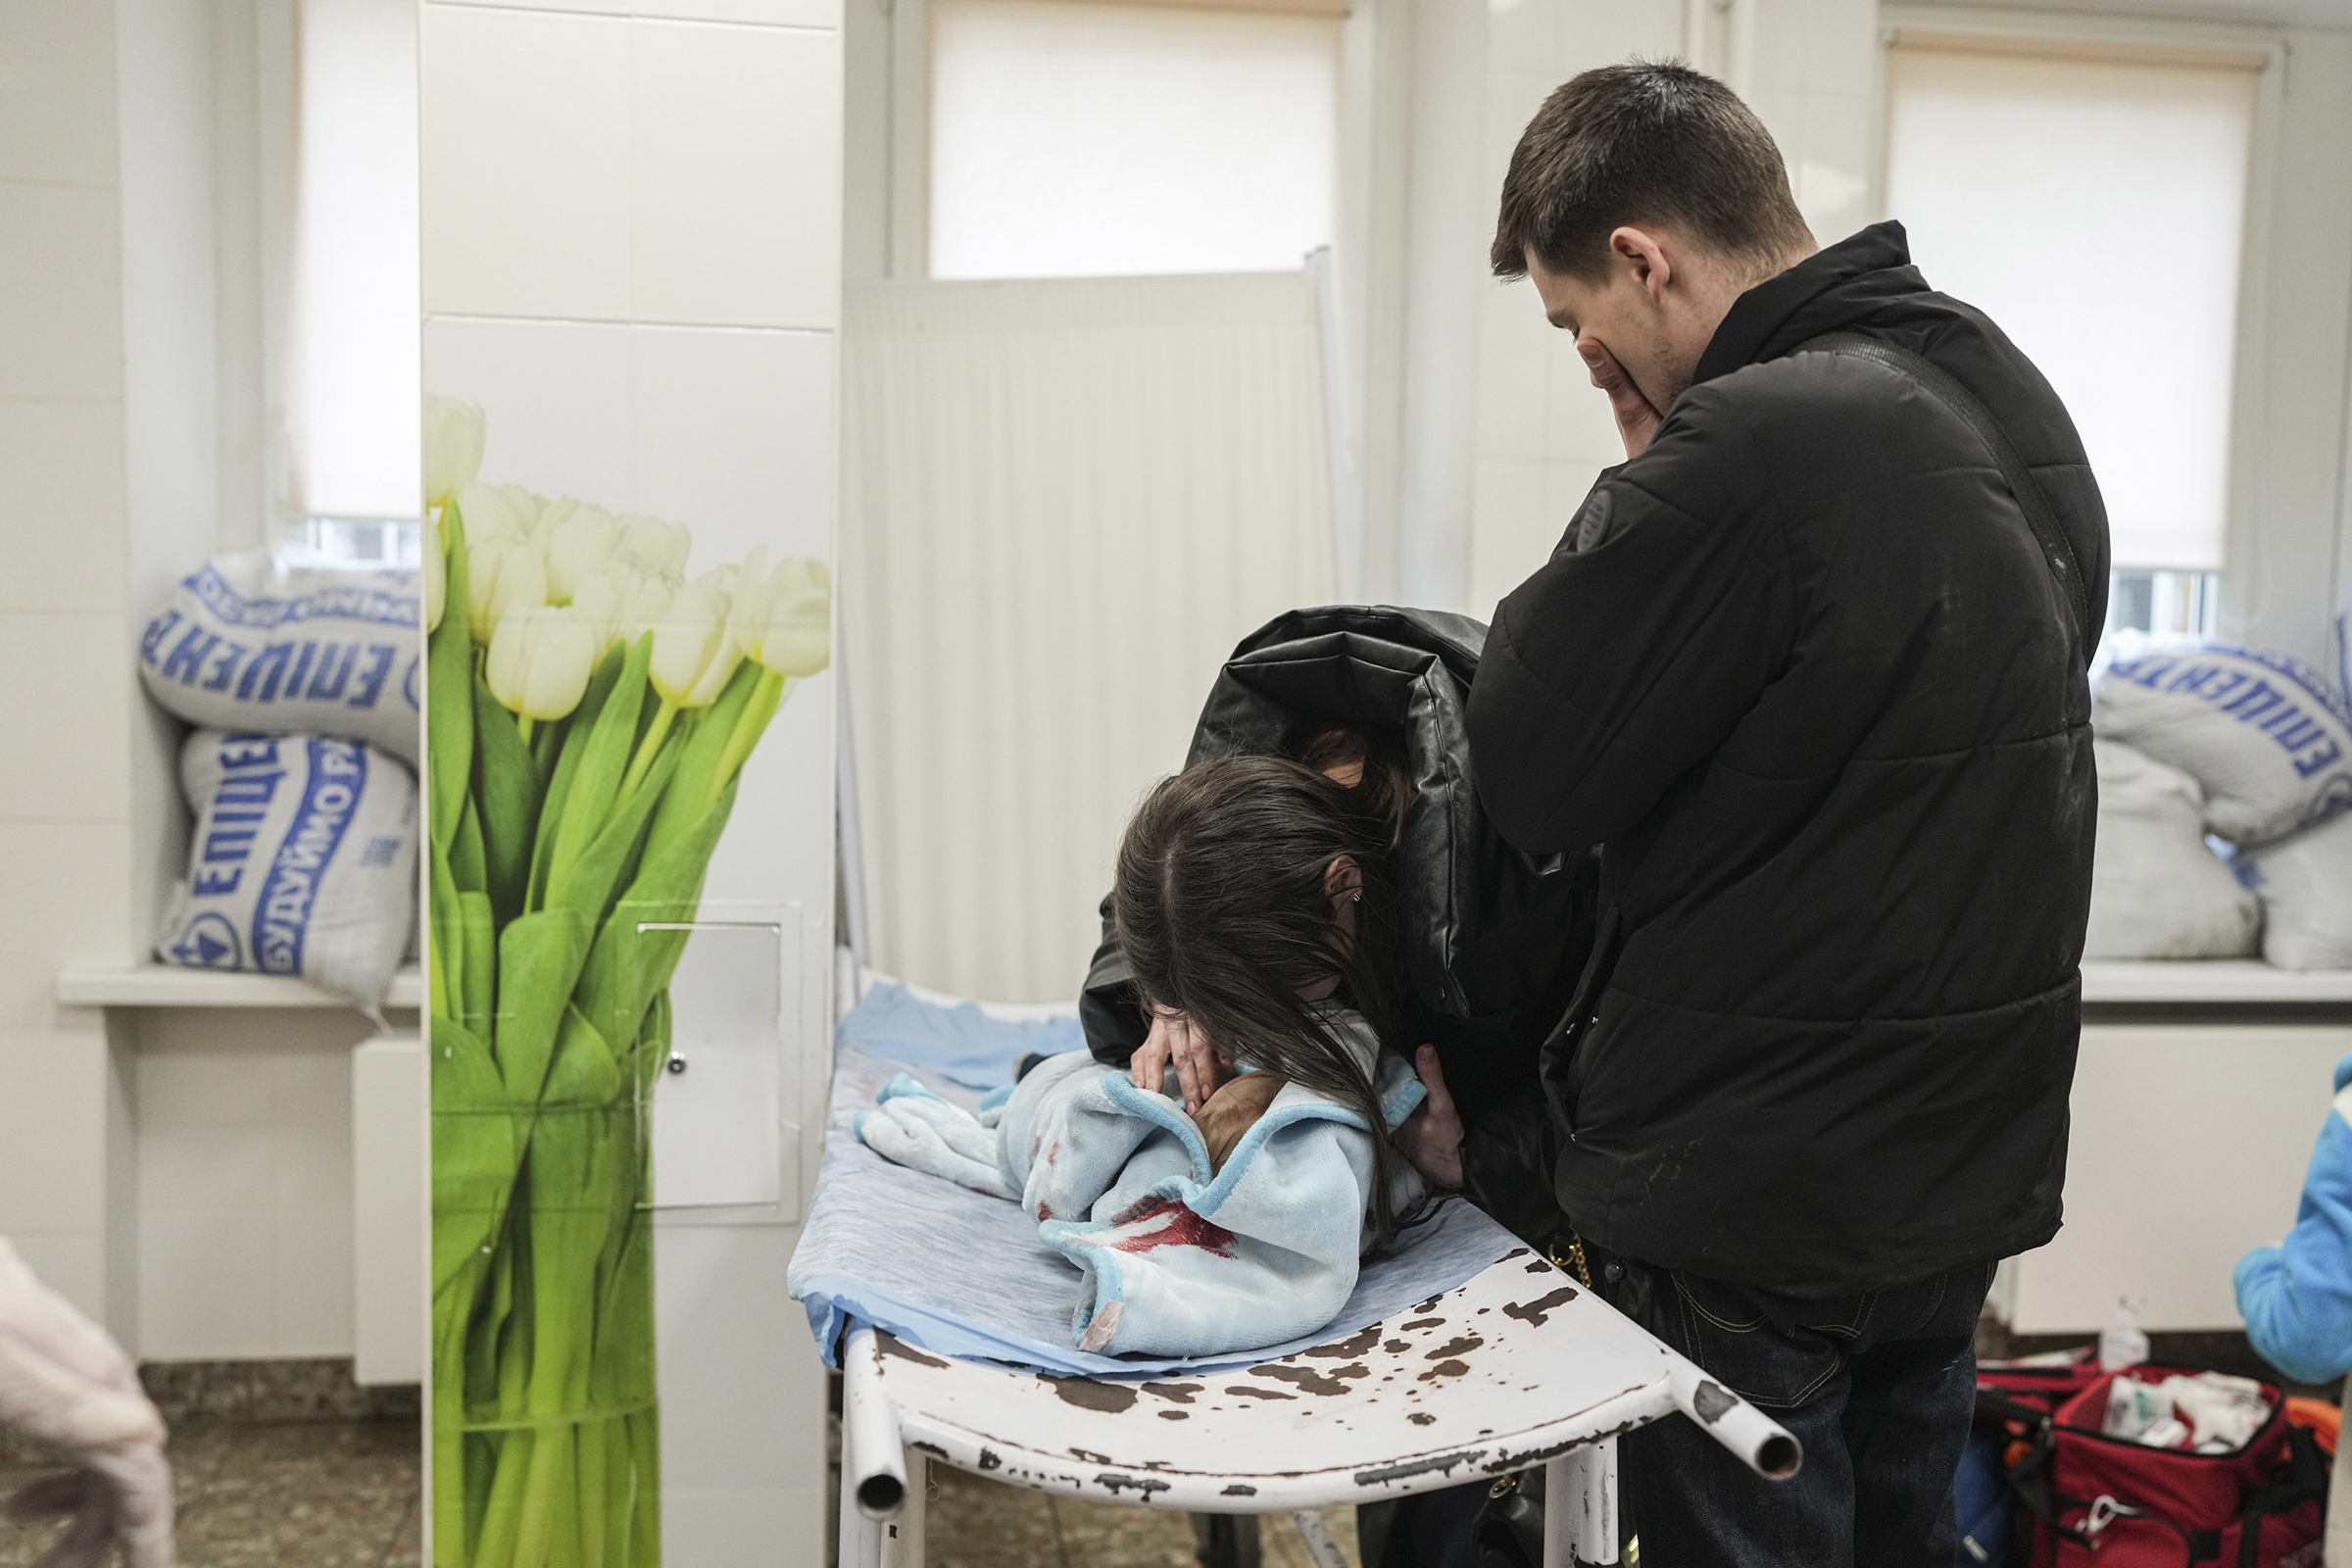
(657,545)
(745,586)
(529,507)
(693,654)
(491,512)
(454,434)
(600,600)
(578,545)
(436,577)
(503,574)
(540,660)
(645,606)
(791,631)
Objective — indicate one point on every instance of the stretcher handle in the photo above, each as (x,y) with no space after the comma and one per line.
(1762,1443)
(870,1455)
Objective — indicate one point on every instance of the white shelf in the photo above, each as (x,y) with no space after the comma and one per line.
(163,985)
(2210,980)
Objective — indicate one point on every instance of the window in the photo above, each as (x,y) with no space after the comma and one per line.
(2093,203)
(1072,139)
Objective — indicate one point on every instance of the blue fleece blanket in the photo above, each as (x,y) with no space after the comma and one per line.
(971,1275)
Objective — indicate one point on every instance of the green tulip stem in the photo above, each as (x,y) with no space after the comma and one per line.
(522,727)
(648,748)
(750,725)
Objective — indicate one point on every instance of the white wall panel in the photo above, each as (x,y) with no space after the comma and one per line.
(66,910)
(62,508)
(77,669)
(57,94)
(2189,1147)
(244,1184)
(52,1135)
(526,133)
(614,169)
(737,141)
(61,292)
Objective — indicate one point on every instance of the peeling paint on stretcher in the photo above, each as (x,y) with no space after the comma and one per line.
(1515,1368)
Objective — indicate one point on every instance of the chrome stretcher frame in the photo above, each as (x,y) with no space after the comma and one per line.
(1518,1367)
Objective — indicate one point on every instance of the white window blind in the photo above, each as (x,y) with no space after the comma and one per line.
(2094,208)
(1076,140)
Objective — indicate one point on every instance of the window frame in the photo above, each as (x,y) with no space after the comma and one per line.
(2244,559)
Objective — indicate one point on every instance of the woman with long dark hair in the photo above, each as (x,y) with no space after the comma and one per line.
(1468,953)
(1253,900)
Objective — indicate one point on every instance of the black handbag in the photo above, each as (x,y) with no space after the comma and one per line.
(1508,1529)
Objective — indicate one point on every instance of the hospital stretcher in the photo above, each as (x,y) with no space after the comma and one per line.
(1518,1366)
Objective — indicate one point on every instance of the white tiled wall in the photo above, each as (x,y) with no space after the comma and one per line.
(244,1184)
(63,628)
(632,261)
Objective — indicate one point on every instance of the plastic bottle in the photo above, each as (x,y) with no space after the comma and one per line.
(2121,1343)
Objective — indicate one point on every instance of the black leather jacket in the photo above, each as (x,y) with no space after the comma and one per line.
(1493,940)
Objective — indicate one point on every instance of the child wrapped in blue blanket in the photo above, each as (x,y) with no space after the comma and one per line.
(1252,899)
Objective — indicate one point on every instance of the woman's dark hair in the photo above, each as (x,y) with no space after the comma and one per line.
(1225,915)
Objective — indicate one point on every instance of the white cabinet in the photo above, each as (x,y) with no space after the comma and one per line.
(2188,1145)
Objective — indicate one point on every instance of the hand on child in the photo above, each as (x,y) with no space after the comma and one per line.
(1173,1038)
(1432,1136)
(1232,1110)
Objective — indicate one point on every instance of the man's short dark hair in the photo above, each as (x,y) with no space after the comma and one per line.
(1643,143)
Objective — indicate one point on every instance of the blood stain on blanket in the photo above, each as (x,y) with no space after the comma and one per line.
(1259,1393)
(1460,1345)
(1532,1313)
(1349,1348)
(1398,1347)
(1184,1228)
(1173,1415)
(1181,1392)
(1307,1378)
(1424,1322)
(1421,1419)
(1444,1369)
(1090,1395)
(1092,1457)
(1429,1306)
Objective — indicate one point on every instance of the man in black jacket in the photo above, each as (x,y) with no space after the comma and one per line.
(1811,666)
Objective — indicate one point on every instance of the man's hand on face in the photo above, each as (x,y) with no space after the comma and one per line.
(1636,420)
(1173,1038)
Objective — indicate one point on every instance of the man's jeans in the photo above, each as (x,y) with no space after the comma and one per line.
(1878,1387)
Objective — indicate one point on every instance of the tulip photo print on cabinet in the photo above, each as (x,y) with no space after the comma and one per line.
(590,709)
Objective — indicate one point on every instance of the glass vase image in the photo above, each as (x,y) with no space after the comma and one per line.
(589,711)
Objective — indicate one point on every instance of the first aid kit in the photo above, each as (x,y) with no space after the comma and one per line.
(253,642)
(302,861)
(2148,1467)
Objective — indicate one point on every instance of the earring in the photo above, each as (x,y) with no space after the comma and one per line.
(1357,897)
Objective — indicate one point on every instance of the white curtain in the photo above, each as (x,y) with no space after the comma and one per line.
(1064,501)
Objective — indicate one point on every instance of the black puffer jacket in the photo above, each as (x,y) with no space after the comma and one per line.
(1492,940)
(1812,682)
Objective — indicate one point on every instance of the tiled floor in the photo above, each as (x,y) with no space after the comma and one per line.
(321,1495)
(974,1523)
